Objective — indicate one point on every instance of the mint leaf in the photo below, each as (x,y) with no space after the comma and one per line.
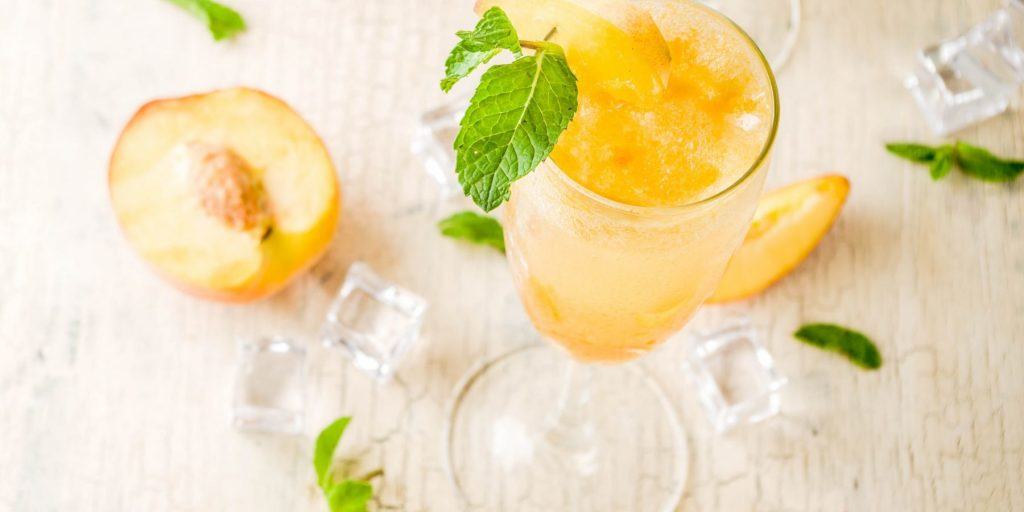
(475,228)
(493,33)
(349,496)
(517,112)
(852,344)
(222,21)
(512,123)
(323,453)
(942,163)
(973,161)
(914,152)
(981,164)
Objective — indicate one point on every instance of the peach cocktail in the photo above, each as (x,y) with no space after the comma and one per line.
(614,241)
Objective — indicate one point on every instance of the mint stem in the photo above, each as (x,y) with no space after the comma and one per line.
(535,45)
(372,474)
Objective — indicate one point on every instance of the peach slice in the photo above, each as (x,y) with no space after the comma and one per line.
(787,226)
(228,195)
(612,44)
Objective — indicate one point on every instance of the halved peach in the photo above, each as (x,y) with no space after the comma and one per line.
(229,195)
(787,226)
(612,44)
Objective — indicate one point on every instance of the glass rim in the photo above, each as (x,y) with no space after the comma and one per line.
(769,142)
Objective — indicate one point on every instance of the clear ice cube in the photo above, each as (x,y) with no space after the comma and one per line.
(735,376)
(373,321)
(972,77)
(433,142)
(270,386)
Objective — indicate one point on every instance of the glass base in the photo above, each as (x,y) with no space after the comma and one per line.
(511,444)
(773,24)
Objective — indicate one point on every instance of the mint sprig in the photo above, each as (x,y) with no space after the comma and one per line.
(973,161)
(222,21)
(475,228)
(515,116)
(347,495)
(493,33)
(858,348)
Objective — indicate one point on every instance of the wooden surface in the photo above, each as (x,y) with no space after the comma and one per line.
(114,388)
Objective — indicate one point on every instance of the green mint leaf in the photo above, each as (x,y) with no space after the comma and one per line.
(475,228)
(323,453)
(942,163)
(493,33)
(222,20)
(852,344)
(513,121)
(349,496)
(974,161)
(914,152)
(980,163)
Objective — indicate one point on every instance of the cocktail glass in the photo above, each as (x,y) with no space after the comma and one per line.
(567,425)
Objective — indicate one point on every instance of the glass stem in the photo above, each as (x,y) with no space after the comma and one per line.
(571,433)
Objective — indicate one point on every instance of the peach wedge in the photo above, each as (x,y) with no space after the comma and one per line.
(787,226)
(228,195)
(611,44)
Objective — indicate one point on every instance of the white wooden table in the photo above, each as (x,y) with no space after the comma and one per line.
(114,388)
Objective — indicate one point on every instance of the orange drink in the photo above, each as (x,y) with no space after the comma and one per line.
(614,241)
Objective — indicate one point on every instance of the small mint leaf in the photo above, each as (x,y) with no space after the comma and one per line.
(475,228)
(942,163)
(852,344)
(493,33)
(513,122)
(323,453)
(222,21)
(349,496)
(982,164)
(914,152)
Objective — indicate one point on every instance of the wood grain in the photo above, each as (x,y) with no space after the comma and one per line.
(114,388)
